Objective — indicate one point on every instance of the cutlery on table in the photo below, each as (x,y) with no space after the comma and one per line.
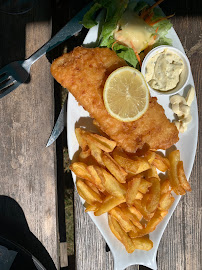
(59,125)
(16,73)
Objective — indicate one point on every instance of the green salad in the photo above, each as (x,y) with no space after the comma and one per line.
(130,28)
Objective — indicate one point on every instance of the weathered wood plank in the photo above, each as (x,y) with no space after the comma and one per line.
(90,245)
(180,247)
(27,167)
(63,254)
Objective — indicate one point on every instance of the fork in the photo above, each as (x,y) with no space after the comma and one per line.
(16,73)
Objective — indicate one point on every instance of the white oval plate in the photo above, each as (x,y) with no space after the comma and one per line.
(77,116)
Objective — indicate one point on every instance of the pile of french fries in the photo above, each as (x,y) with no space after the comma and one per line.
(127,186)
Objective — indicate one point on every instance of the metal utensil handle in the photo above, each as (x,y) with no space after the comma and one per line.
(70,29)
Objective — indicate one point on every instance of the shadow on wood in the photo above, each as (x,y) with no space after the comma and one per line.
(14,227)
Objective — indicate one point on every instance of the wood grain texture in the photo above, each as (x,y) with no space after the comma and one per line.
(63,254)
(90,245)
(180,247)
(27,167)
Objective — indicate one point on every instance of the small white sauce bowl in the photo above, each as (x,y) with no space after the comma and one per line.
(184,76)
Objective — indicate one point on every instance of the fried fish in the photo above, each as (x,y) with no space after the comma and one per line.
(84,72)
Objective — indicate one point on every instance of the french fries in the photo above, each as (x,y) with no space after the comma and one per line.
(92,186)
(135,212)
(166,201)
(125,239)
(113,229)
(95,177)
(143,243)
(81,139)
(152,172)
(91,207)
(131,216)
(154,221)
(132,190)
(133,166)
(96,152)
(127,187)
(122,219)
(165,186)
(182,178)
(84,155)
(150,156)
(154,195)
(108,203)
(111,185)
(115,169)
(80,169)
(143,210)
(144,186)
(87,193)
(85,137)
(177,176)
(161,163)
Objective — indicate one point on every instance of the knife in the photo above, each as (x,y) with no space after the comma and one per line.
(70,29)
(73,27)
(59,125)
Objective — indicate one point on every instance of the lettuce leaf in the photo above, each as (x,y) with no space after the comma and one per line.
(115,10)
(139,6)
(129,56)
(164,25)
(126,53)
(163,41)
(89,18)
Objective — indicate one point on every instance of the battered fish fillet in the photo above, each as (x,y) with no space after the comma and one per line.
(84,72)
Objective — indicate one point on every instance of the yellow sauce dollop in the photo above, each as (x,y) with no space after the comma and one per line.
(134,32)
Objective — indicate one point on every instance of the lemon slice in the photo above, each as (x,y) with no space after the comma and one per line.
(126,95)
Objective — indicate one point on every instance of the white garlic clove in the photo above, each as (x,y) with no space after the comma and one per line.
(176,99)
(184,109)
(183,101)
(175,108)
(190,96)
(177,123)
(187,119)
(183,128)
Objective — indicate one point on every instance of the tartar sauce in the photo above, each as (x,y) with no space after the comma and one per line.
(163,70)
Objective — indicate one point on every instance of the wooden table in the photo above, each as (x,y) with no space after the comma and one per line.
(28,189)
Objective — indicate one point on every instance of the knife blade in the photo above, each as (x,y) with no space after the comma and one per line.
(73,27)
(59,125)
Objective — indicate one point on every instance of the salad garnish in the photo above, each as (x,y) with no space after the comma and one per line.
(130,28)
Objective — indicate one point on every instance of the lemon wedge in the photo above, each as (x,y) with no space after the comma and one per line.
(126,95)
